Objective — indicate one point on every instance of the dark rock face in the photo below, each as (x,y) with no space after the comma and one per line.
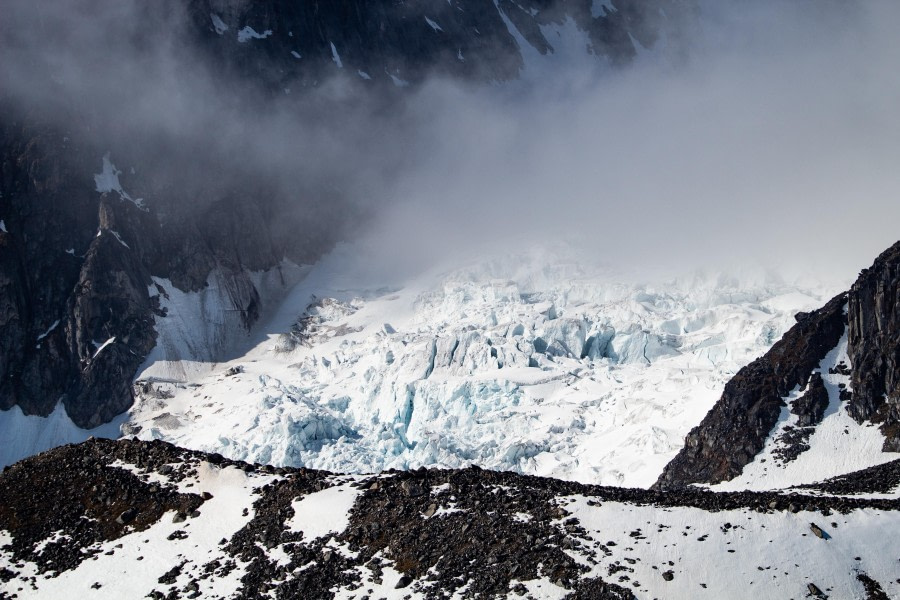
(47,209)
(464,39)
(874,346)
(810,407)
(736,428)
(75,269)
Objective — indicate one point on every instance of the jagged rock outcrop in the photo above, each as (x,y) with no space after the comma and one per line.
(736,428)
(810,407)
(874,346)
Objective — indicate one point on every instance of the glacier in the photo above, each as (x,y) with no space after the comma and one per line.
(539,362)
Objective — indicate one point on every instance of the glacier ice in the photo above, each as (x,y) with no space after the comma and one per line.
(532,362)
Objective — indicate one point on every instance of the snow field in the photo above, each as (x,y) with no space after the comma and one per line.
(738,554)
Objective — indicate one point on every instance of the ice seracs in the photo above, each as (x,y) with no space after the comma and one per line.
(532,362)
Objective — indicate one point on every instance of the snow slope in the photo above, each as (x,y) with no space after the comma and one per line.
(537,362)
(738,553)
(25,435)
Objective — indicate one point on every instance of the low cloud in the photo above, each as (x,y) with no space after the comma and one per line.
(771,136)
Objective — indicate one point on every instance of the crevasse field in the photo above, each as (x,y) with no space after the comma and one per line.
(534,362)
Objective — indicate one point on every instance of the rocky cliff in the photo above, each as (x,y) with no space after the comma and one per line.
(874,334)
(736,429)
(77,306)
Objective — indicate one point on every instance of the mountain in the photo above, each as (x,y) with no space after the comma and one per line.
(824,398)
(133,519)
(110,184)
(111,518)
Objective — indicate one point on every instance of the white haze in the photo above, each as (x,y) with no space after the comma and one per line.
(774,138)
(776,142)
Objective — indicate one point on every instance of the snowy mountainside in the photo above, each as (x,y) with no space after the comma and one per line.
(114,519)
(537,363)
(822,401)
(798,453)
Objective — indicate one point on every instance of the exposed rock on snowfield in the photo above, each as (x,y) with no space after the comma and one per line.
(202,526)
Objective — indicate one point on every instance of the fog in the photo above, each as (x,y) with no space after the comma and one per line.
(771,137)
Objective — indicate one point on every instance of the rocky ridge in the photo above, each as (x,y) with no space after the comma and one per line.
(85,516)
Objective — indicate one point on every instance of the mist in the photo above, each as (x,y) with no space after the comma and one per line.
(768,134)
(775,142)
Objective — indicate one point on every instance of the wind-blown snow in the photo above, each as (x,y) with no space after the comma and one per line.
(50,329)
(3,226)
(534,363)
(103,346)
(218,24)
(397,80)
(336,57)
(601,8)
(433,24)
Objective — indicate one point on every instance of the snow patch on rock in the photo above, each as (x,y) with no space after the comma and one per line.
(247,33)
